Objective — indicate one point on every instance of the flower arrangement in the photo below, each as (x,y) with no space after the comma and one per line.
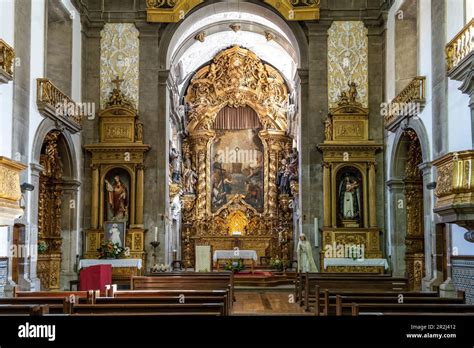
(42,247)
(277,264)
(109,250)
(234,265)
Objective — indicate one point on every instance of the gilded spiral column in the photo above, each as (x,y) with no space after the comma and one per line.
(95,197)
(327,194)
(372,196)
(139,198)
(272,188)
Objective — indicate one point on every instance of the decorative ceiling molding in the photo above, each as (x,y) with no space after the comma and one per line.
(169,11)
(296,10)
(173,11)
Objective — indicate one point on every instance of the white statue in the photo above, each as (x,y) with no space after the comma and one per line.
(305,256)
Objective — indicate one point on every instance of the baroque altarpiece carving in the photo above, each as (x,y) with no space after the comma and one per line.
(349,184)
(118,178)
(239,168)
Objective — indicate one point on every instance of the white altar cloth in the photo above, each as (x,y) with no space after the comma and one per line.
(235,254)
(357,262)
(115,263)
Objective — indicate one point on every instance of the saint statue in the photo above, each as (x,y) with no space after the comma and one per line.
(117,199)
(352,95)
(328,129)
(175,161)
(114,235)
(305,256)
(349,198)
(190,176)
(283,178)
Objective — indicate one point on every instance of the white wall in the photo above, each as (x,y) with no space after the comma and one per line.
(459,246)
(7,8)
(459,113)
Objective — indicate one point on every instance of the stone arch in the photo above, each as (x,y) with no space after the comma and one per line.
(68,149)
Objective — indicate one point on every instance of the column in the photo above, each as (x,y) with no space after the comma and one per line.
(139,196)
(327,194)
(372,196)
(95,197)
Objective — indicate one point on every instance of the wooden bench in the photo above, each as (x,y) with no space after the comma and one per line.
(214,309)
(26,309)
(348,281)
(327,298)
(343,304)
(170,296)
(187,281)
(409,309)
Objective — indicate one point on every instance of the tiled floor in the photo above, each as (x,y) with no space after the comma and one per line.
(259,302)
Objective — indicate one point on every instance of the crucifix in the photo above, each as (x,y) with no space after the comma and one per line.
(117,82)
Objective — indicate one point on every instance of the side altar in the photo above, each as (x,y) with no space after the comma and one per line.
(349,187)
(118,183)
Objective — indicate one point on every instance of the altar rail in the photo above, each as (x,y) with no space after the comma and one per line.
(460,46)
(406,103)
(49,97)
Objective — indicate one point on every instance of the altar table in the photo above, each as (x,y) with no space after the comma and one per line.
(378,264)
(234,255)
(115,263)
(95,277)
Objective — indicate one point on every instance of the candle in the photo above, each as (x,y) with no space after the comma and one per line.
(77,241)
(156,233)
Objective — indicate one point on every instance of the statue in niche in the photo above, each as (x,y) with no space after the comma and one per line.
(293,165)
(328,129)
(349,197)
(283,178)
(190,176)
(117,199)
(175,162)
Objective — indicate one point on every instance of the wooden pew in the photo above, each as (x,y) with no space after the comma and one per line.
(186,281)
(328,297)
(343,304)
(303,280)
(24,309)
(214,309)
(409,309)
(56,305)
(169,296)
(348,281)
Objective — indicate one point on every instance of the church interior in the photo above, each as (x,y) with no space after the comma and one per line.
(237,158)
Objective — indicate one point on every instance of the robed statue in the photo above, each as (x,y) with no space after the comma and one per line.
(305,256)
(117,199)
(349,198)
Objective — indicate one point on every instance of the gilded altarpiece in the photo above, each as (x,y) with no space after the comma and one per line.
(237,78)
(349,184)
(118,178)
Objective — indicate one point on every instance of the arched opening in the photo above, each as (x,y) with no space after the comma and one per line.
(409,232)
(56,211)
(191,57)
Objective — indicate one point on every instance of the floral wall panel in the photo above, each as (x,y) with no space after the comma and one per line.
(347,60)
(119,56)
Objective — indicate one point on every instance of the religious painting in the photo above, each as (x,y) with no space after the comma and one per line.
(237,168)
(117,195)
(349,197)
(115,232)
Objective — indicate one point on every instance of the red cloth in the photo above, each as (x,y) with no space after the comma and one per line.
(95,277)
